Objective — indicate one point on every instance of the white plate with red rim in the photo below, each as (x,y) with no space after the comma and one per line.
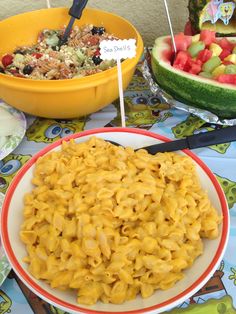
(195,277)
(4,264)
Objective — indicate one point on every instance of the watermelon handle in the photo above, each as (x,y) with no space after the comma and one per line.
(220,136)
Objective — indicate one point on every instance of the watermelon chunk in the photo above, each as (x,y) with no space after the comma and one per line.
(182,41)
(224,43)
(193,66)
(225,62)
(181,60)
(208,37)
(188,29)
(204,55)
(227,78)
(225,53)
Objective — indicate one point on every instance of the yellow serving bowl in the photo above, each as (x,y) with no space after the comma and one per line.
(69,98)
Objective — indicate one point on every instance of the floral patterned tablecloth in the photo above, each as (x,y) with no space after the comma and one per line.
(143,110)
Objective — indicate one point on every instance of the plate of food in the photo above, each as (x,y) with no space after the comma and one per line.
(12,130)
(4,264)
(105,229)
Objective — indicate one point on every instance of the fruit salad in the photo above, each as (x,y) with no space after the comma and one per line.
(47,60)
(207,56)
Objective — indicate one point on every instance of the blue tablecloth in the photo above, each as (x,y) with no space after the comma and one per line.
(143,110)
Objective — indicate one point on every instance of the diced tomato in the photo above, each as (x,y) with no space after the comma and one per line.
(225,53)
(91,41)
(224,43)
(208,37)
(227,78)
(97,52)
(204,55)
(37,55)
(7,60)
(182,42)
(181,60)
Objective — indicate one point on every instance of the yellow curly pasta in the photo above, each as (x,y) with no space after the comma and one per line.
(111,223)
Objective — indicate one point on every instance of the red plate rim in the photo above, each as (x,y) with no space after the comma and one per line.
(58,302)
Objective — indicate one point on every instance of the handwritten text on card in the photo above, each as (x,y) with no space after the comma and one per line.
(117,49)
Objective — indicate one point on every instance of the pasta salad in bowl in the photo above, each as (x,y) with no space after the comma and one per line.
(43,78)
(106,229)
(48,60)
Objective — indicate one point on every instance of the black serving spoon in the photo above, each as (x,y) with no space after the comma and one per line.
(224,135)
(75,12)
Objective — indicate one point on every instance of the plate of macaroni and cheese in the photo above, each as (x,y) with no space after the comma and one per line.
(106,229)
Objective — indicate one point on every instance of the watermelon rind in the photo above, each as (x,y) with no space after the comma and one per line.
(190,89)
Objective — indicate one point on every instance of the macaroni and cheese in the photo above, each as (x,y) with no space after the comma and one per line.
(112,223)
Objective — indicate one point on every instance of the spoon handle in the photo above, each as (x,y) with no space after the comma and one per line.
(77,8)
(75,13)
(220,136)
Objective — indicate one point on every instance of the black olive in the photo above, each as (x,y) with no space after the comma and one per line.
(55,48)
(27,69)
(94,30)
(98,30)
(101,30)
(20,51)
(96,60)
(2,70)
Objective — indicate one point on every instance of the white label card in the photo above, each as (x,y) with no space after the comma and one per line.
(118,49)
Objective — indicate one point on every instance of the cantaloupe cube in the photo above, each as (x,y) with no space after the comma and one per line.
(216,49)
